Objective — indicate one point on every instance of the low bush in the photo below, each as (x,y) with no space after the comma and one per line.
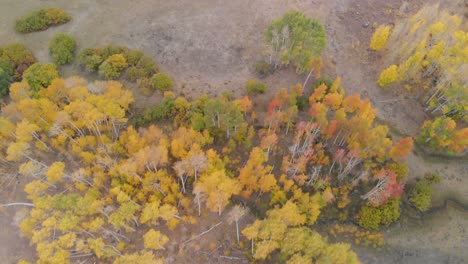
(41,19)
(302,102)
(62,48)
(373,217)
(134,73)
(113,66)
(163,111)
(253,87)
(161,82)
(421,196)
(138,65)
(39,76)
(197,121)
(262,68)
(15,58)
(5,80)
(144,84)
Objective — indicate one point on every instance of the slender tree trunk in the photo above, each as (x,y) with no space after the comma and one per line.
(307,79)
(181,177)
(252,246)
(199,205)
(237,231)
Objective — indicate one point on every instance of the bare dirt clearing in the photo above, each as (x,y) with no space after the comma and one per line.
(210,46)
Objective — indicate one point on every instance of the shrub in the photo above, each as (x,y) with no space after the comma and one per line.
(57,16)
(421,196)
(148,65)
(400,169)
(197,121)
(15,58)
(91,59)
(110,50)
(379,38)
(162,111)
(253,87)
(262,68)
(134,73)
(321,81)
(161,82)
(441,134)
(302,102)
(302,40)
(139,65)
(373,217)
(144,84)
(388,76)
(113,66)
(40,75)
(62,47)
(41,20)
(133,56)
(5,80)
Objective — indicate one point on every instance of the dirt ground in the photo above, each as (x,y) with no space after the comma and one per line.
(210,46)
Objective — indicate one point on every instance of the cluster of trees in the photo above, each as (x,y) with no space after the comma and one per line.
(284,229)
(112,62)
(104,180)
(41,19)
(294,39)
(15,58)
(62,48)
(427,53)
(39,76)
(441,134)
(421,195)
(102,186)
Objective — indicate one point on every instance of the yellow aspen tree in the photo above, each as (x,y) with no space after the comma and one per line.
(155,240)
(218,188)
(55,172)
(388,76)
(379,38)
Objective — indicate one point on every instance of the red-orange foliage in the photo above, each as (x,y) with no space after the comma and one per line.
(402,148)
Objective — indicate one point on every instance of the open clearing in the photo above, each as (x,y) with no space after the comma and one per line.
(210,46)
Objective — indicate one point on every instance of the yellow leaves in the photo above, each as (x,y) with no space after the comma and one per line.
(254,175)
(145,257)
(185,140)
(94,225)
(97,245)
(264,248)
(24,130)
(150,213)
(67,240)
(55,172)
(388,76)
(289,214)
(309,205)
(379,38)
(436,52)
(417,25)
(328,196)
(116,93)
(20,91)
(318,94)
(437,28)
(245,104)
(333,100)
(155,240)
(218,188)
(16,151)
